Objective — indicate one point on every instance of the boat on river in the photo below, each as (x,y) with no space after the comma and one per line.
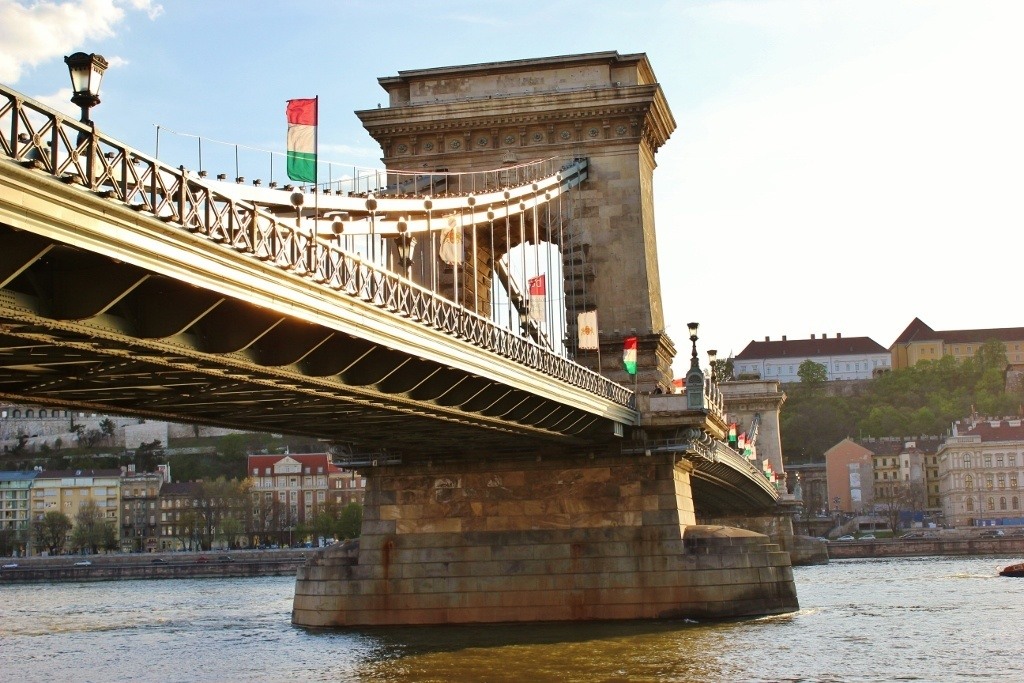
(1013,570)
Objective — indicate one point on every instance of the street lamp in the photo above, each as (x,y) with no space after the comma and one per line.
(404,245)
(297,199)
(692,328)
(712,357)
(86,74)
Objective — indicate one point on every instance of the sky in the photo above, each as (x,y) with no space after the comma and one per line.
(838,166)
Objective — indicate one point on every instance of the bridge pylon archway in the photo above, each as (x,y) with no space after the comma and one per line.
(604,106)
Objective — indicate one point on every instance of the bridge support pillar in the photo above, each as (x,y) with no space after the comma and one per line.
(778,526)
(550,539)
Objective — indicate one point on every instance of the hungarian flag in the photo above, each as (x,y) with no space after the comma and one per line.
(302,140)
(537,293)
(629,355)
(586,325)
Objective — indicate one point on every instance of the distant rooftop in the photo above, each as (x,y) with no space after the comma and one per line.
(837,345)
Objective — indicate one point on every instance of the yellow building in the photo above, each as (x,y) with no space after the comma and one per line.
(68,490)
(919,342)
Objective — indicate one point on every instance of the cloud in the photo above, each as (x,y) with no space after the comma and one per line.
(33,33)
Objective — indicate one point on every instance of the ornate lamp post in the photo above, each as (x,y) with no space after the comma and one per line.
(712,357)
(694,378)
(297,199)
(86,74)
(405,246)
(692,328)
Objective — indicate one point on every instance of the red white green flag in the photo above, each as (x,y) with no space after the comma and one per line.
(629,355)
(302,115)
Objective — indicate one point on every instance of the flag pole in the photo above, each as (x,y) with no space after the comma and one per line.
(316,164)
(598,326)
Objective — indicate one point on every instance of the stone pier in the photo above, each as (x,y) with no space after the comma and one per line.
(545,539)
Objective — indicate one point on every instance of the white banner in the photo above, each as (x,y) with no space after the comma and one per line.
(587,328)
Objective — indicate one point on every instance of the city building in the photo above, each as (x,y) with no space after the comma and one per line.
(849,473)
(179,522)
(844,358)
(980,468)
(906,471)
(809,484)
(919,342)
(67,491)
(140,496)
(15,514)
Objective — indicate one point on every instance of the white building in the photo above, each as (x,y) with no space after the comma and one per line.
(980,469)
(842,357)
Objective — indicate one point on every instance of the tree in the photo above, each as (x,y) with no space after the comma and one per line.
(92,529)
(51,531)
(351,521)
(8,541)
(812,374)
(107,428)
(723,369)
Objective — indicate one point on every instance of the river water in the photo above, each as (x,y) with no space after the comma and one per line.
(921,619)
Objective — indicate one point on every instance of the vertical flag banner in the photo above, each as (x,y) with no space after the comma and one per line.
(451,242)
(538,290)
(586,325)
(302,116)
(629,355)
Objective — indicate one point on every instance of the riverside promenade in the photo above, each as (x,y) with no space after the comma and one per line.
(116,567)
(924,547)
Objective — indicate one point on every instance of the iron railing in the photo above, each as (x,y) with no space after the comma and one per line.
(44,139)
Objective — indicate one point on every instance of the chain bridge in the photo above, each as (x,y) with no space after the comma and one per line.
(392,317)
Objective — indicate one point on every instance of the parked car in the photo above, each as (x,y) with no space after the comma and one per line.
(867,537)
(224,558)
(83,563)
(11,565)
(993,533)
(847,537)
(158,560)
(202,559)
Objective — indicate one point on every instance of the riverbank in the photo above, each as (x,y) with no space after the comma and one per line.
(114,567)
(1011,546)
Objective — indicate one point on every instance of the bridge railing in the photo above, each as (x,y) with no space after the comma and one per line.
(41,138)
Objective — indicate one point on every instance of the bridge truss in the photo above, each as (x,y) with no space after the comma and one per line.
(131,287)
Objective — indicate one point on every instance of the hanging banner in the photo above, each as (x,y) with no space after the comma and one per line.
(451,242)
(538,290)
(586,325)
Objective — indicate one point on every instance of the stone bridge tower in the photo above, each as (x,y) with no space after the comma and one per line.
(603,106)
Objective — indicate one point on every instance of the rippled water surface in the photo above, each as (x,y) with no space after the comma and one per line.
(928,619)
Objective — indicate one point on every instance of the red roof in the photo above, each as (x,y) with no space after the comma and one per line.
(809,348)
(918,331)
(310,460)
(1001,431)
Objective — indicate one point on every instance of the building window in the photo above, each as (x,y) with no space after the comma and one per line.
(968,482)
(1002,502)
(1012,459)
(991,504)
(999,459)
(970,504)
(967,459)
(1015,503)
(988,461)
(988,481)
(1001,480)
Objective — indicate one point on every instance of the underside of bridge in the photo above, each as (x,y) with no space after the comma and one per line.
(82,330)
